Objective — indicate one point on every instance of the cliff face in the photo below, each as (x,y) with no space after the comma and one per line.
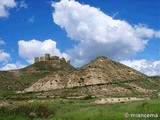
(99,71)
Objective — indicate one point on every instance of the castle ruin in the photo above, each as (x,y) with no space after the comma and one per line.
(47,57)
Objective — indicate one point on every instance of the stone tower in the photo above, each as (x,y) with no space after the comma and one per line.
(47,57)
(36,59)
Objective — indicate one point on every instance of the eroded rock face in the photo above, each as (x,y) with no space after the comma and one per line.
(118,100)
(100,71)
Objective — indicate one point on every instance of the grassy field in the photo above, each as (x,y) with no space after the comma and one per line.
(79,109)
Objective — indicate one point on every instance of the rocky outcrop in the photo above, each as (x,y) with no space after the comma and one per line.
(100,71)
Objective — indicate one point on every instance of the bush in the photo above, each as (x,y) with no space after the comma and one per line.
(81,78)
(144,104)
(87,97)
(44,111)
(33,111)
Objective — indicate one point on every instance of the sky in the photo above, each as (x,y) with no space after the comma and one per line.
(127,31)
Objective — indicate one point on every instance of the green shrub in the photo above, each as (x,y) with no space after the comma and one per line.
(87,97)
(31,111)
(144,104)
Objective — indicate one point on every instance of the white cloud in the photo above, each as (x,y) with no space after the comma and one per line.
(147,67)
(141,31)
(115,14)
(98,33)
(2,42)
(5,5)
(12,66)
(31,19)
(4,56)
(33,48)
(23,4)
(4,59)
(157,34)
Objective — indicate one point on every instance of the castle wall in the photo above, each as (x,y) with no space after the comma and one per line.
(47,57)
(42,59)
(69,61)
(36,59)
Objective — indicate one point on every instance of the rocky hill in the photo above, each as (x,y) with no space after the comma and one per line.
(17,80)
(52,65)
(99,71)
(100,77)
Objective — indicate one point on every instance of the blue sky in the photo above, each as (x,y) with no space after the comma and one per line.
(43,21)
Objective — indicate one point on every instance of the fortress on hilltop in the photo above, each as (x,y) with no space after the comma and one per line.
(47,57)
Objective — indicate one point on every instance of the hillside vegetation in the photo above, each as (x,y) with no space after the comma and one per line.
(80,110)
(100,90)
(100,77)
(17,80)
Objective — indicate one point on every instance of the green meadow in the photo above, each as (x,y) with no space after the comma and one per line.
(80,109)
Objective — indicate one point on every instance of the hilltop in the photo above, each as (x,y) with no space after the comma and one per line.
(56,77)
(17,80)
(99,71)
(54,89)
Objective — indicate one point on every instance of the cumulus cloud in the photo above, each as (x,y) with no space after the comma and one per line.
(5,5)
(115,14)
(99,33)
(30,49)
(147,67)
(157,34)
(23,4)
(4,59)
(31,19)
(4,56)
(12,66)
(2,42)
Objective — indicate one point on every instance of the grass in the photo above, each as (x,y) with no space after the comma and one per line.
(112,111)
(68,109)
(63,93)
(9,84)
(17,80)
(150,83)
(78,109)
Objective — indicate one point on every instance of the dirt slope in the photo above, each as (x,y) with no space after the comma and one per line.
(100,71)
